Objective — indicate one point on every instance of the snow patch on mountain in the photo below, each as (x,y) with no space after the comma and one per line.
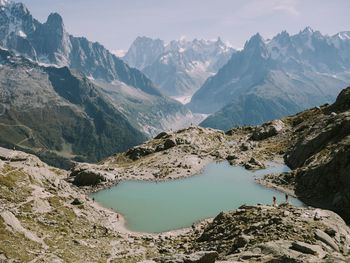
(119,52)
(5,2)
(181,66)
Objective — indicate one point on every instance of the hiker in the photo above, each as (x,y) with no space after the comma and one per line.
(287,199)
(117,217)
(274,201)
(93,199)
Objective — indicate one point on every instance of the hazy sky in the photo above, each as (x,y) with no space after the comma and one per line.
(116,23)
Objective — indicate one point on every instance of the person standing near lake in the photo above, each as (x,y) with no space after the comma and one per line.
(274,203)
(287,199)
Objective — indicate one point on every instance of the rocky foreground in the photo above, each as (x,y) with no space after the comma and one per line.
(46,215)
(44,218)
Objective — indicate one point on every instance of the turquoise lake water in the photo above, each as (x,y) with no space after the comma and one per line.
(156,207)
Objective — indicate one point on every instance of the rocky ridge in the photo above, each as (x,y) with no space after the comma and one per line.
(271,79)
(50,220)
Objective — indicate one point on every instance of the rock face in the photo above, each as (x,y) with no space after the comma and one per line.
(271,79)
(321,151)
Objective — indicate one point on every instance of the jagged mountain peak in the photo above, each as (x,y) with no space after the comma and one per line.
(282,37)
(307,30)
(181,66)
(55,19)
(141,39)
(344,35)
(17,6)
(256,45)
(255,40)
(268,79)
(16,9)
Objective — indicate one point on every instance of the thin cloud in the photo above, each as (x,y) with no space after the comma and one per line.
(288,6)
(258,8)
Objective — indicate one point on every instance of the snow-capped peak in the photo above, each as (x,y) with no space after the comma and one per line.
(345,35)
(5,2)
(307,30)
(119,52)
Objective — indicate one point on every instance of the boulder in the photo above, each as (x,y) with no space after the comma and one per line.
(240,241)
(13,156)
(89,177)
(231,157)
(308,248)
(325,238)
(254,164)
(76,201)
(138,152)
(161,135)
(342,102)
(267,130)
(169,143)
(180,141)
(245,147)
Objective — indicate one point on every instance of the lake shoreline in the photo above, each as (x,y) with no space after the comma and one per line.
(125,228)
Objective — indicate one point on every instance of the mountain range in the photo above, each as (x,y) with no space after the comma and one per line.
(180,67)
(269,79)
(136,107)
(107,99)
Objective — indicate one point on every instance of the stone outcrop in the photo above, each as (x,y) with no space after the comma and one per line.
(240,233)
(254,164)
(320,153)
(267,130)
(138,152)
(84,175)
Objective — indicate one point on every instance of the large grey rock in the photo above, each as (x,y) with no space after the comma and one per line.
(267,130)
(325,238)
(169,143)
(308,248)
(90,177)
(138,152)
(254,164)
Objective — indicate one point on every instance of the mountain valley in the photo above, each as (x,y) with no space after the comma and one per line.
(175,150)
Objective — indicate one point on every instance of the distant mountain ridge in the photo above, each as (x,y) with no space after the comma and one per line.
(141,110)
(269,79)
(50,43)
(59,114)
(180,67)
